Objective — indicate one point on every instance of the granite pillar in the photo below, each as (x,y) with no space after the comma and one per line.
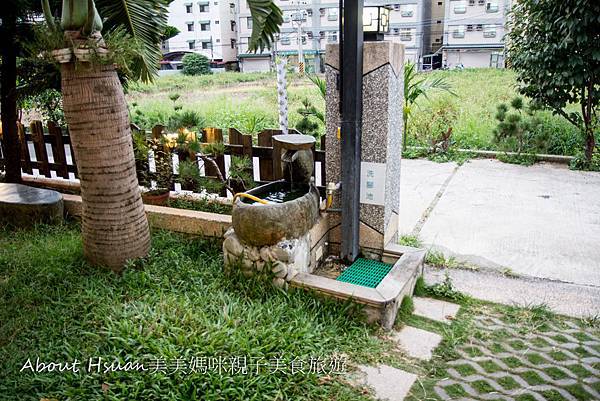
(381,144)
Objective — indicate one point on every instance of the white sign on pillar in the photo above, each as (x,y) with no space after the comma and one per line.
(372,183)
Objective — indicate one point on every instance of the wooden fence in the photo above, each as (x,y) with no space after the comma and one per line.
(49,151)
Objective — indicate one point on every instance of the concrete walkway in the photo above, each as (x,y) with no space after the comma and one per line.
(541,221)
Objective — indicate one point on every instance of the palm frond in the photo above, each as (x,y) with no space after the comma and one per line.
(145,21)
(267,17)
(319,83)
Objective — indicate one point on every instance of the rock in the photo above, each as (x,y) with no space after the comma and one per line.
(266,255)
(291,274)
(260,265)
(278,267)
(252,253)
(233,245)
(281,274)
(228,233)
(279,282)
(280,254)
(247,273)
(24,206)
(247,264)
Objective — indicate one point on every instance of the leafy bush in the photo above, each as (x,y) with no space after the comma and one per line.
(196,64)
(48,103)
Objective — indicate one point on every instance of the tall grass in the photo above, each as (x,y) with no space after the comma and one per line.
(479,92)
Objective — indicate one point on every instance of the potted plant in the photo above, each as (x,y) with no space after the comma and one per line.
(158,193)
(155,186)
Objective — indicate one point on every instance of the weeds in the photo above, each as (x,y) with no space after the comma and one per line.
(410,240)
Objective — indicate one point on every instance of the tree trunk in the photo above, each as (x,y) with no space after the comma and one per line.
(8,96)
(114,224)
(590,144)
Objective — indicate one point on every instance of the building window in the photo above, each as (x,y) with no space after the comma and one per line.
(396,7)
(309,12)
(406,13)
(204,8)
(332,14)
(439,21)
(491,7)
(481,2)
(437,40)
(285,40)
(406,35)
(332,37)
(479,27)
(232,42)
(232,23)
(440,3)
(460,7)
(395,31)
(309,35)
(489,31)
(205,26)
(191,44)
(188,8)
(232,6)
(216,3)
(471,3)
(286,18)
(458,31)
(322,34)
(190,26)
(206,45)
(216,22)
(469,28)
(322,12)
(249,22)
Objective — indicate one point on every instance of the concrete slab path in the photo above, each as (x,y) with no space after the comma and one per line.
(388,383)
(540,221)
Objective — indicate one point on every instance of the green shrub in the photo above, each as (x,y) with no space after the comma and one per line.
(196,64)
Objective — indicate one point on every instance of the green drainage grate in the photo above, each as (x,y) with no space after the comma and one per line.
(365,272)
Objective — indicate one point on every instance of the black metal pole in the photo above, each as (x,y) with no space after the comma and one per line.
(351,67)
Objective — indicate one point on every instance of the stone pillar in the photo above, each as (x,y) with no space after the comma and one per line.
(381,143)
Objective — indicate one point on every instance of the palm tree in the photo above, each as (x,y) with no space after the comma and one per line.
(414,87)
(114,224)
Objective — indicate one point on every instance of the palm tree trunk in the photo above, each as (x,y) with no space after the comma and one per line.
(8,95)
(114,224)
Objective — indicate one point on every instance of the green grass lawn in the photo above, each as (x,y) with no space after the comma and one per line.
(178,306)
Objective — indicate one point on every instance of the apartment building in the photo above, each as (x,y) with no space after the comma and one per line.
(206,27)
(474,33)
(319,22)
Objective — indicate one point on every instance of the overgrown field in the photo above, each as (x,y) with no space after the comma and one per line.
(472,110)
(249,104)
(243,100)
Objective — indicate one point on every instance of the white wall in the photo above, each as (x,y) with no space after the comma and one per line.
(468,58)
(255,64)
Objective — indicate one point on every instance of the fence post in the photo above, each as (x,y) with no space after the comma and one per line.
(237,138)
(214,135)
(37,134)
(25,156)
(265,166)
(58,149)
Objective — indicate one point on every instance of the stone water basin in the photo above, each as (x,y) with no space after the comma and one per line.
(291,213)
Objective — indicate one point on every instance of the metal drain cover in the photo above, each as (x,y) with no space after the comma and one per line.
(365,272)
